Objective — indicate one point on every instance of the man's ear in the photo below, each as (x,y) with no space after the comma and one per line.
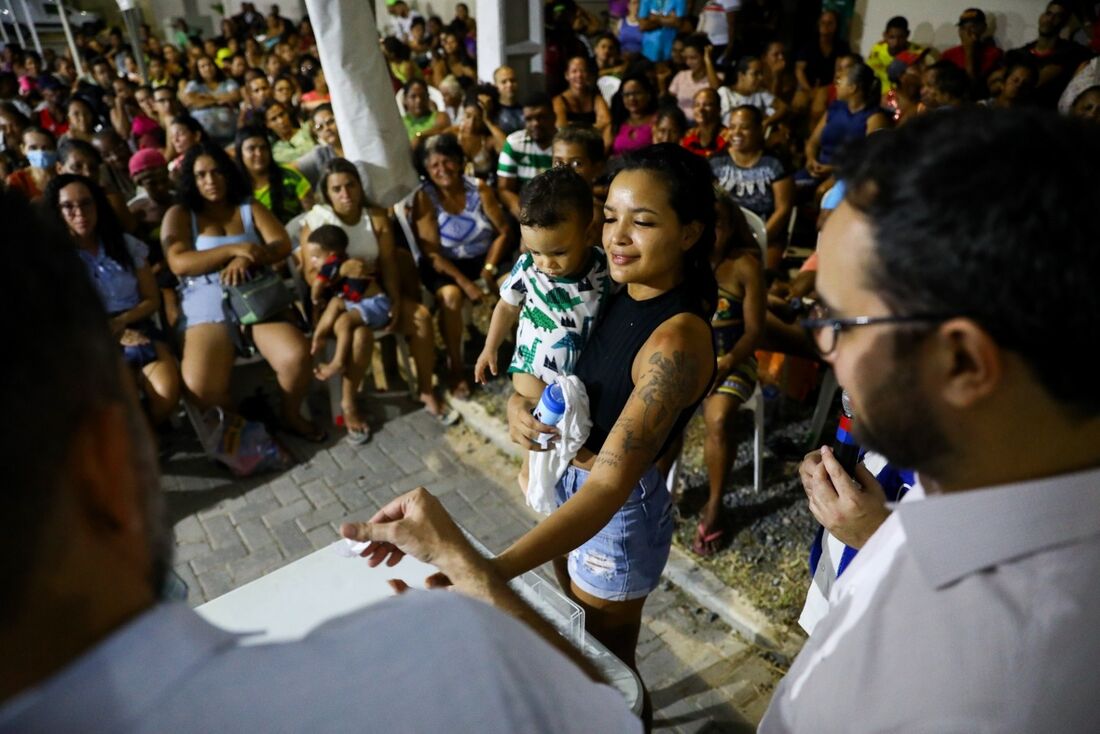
(102,471)
(971,363)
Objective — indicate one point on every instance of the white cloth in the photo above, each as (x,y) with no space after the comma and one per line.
(421,662)
(712,20)
(362,240)
(358,77)
(547,467)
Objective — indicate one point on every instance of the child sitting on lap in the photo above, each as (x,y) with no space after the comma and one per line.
(555,289)
(355,299)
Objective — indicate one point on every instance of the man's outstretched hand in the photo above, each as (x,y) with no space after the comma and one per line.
(416,524)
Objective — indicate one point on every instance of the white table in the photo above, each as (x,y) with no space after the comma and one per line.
(289,603)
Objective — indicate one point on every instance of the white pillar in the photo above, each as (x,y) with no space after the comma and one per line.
(371,129)
(31,28)
(78,63)
(511,33)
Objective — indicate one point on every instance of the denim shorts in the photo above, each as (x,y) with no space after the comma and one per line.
(374,311)
(625,558)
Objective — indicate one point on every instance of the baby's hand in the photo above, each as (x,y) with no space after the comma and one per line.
(486,360)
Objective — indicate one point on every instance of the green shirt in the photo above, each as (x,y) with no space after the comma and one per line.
(295,188)
(288,151)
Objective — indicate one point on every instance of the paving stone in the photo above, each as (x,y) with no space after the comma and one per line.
(188,530)
(437,461)
(255,510)
(253,567)
(215,582)
(292,540)
(343,476)
(218,558)
(287,490)
(219,529)
(329,513)
(322,537)
(255,534)
(189,551)
(351,495)
(284,515)
(318,493)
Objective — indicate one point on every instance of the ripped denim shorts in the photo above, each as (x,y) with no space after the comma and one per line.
(625,558)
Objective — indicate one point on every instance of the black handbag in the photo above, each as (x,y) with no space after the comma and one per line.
(261,298)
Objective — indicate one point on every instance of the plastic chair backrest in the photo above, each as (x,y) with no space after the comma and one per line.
(759,230)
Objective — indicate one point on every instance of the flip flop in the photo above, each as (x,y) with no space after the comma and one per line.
(706,544)
(447,418)
(358,436)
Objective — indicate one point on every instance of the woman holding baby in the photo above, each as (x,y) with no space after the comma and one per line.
(370,239)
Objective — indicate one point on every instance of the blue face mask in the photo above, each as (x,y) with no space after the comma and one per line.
(42,158)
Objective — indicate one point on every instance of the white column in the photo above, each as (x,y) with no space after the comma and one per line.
(510,33)
(371,129)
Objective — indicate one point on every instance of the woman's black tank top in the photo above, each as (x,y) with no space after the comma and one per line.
(605,362)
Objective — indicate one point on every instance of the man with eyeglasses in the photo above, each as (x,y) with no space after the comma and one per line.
(953,295)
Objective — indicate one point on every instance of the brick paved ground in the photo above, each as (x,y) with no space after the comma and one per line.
(702,678)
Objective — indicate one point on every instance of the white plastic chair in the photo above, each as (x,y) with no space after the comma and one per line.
(755,403)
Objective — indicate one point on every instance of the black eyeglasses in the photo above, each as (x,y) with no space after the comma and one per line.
(825,330)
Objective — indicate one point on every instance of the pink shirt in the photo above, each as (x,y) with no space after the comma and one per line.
(684,89)
(632,137)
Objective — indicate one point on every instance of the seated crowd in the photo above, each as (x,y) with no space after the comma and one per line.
(585,212)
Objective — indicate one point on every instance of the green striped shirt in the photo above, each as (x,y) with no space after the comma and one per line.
(523,158)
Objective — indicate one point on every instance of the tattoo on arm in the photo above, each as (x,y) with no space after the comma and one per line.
(669,386)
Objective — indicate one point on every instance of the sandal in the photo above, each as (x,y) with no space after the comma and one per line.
(358,436)
(706,544)
(448,417)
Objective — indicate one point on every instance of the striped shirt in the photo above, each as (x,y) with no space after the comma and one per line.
(523,158)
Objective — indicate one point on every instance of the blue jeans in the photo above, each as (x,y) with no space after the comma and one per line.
(625,558)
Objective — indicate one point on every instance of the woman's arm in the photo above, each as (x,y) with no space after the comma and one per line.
(800,75)
(671,372)
(177,241)
(147,306)
(497,136)
(783,192)
(387,261)
(231,97)
(877,121)
(747,272)
(276,240)
(813,145)
(712,73)
(561,118)
(780,109)
(603,121)
(495,213)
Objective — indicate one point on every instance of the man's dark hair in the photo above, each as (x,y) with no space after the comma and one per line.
(67,366)
(237,190)
(165,88)
(536,99)
(329,238)
(99,61)
(958,232)
(951,81)
(69,146)
(586,137)
(552,197)
(899,22)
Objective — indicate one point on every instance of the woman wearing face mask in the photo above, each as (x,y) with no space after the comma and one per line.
(39,148)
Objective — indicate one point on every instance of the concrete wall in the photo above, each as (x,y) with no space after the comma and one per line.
(932,22)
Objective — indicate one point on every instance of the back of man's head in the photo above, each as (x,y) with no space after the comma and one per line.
(63,368)
(959,231)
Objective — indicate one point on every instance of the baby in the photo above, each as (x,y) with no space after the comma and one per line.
(555,290)
(355,299)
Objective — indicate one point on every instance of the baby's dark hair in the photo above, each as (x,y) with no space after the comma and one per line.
(552,197)
(330,238)
(586,137)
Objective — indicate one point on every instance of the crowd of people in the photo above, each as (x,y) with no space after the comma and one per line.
(634,221)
